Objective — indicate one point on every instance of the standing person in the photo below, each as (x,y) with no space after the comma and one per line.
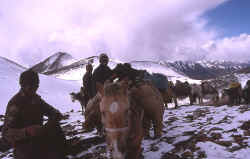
(88,89)
(23,125)
(102,72)
(92,112)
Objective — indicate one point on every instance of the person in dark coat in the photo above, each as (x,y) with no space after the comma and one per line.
(102,72)
(23,125)
(92,112)
(88,89)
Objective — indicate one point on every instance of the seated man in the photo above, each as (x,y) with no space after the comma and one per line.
(23,125)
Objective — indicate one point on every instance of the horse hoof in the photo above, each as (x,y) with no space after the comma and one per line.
(157,136)
(147,137)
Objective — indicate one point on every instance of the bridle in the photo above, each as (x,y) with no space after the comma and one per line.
(113,130)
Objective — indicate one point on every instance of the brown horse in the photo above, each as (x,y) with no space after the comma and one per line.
(196,92)
(168,94)
(234,92)
(203,90)
(208,89)
(122,120)
(149,97)
(144,94)
(181,90)
(92,115)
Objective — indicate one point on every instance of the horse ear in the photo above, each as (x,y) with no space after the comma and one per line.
(99,88)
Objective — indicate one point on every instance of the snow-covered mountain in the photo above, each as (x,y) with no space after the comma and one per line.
(53,63)
(203,70)
(62,65)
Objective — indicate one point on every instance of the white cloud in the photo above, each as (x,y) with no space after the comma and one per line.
(234,48)
(31,30)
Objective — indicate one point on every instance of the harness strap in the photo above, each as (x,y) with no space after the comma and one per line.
(116,129)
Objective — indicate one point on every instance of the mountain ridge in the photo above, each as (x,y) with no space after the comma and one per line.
(61,62)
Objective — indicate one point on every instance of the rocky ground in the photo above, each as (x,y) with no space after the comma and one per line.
(189,132)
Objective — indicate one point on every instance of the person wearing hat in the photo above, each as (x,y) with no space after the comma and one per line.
(23,125)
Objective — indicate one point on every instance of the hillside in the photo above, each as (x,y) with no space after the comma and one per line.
(190,132)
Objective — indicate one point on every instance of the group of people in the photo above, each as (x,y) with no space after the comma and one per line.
(24,127)
(100,75)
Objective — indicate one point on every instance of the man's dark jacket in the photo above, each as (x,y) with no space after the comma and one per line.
(101,74)
(88,85)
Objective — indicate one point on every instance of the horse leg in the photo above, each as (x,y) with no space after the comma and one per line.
(192,99)
(175,102)
(157,124)
(200,100)
(134,152)
(146,126)
(82,109)
(239,100)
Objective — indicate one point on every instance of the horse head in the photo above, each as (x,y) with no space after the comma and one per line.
(115,115)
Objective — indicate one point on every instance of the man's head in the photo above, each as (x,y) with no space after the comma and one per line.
(89,67)
(103,59)
(29,82)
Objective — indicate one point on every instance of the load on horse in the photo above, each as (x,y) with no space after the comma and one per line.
(159,80)
(144,93)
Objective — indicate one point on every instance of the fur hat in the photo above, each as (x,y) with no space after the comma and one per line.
(29,77)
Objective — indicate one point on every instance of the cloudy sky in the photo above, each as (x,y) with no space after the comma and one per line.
(31,30)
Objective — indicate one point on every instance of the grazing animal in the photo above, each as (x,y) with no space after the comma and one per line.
(181,90)
(122,120)
(196,92)
(207,89)
(203,90)
(79,97)
(234,92)
(168,94)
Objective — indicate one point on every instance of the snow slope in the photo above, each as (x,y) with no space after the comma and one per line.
(54,91)
(189,131)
